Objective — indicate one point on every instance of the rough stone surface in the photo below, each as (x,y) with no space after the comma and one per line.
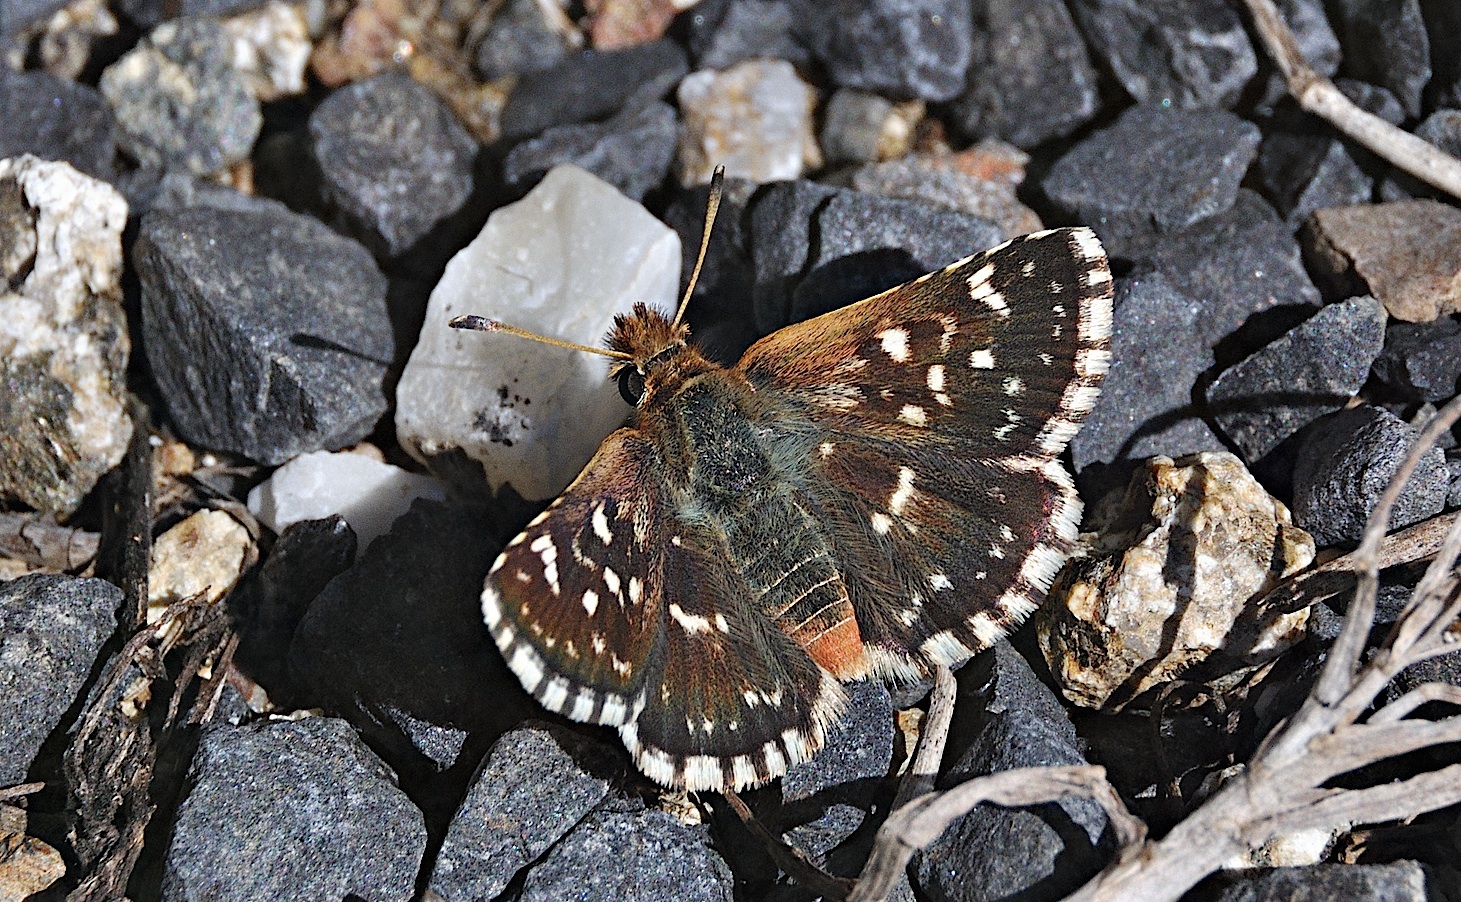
(899,48)
(271,47)
(201,556)
(1422,361)
(1187,53)
(180,101)
(310,797)
(865,244)
(1313,369)
(1346,462)
(859,127)
(980,181)
(1400,881)
(63,334)
(561,262)
(394,160)
(1406,253)
(51,629)
(635,856)
(1030,78)
(1386,44)
(1235,264)
(1146,404)
(631,151)
(530,791)
(1156,170)
(55,119)
(401,634)
(368,493)
(520,40)
(267,333)
(726,32)
(1169,581)
(1303,167)
(826,799)
(592,86)
(755,119)
(1039,852)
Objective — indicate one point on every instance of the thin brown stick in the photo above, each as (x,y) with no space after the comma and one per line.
(1319,96)
(932,739)
(20,790)
(40,544)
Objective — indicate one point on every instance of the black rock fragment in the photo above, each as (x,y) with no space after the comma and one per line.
(266,332)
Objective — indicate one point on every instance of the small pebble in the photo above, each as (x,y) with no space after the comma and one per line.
(1345,464)
(1031,78)
(755,119)
(368,494)
(1422,361)
(1191,54)
(201,558)
(1145,406)
(394,161)
(56,119)
(592,86)
(981,181)
(859,127)
(1386,44)
(616,24)
(1170,580)
(51,629)
(180,99)
(521,39)
(1236,264)
(726,32)
(1060,845)
(64,341)
(631,856)
(529,792)
(1155,171)
(305,795)
(271,48)
(632,151)
(561,262)
(1406,253)
(826,799)
(1313,369)
(266,332)
(900,48)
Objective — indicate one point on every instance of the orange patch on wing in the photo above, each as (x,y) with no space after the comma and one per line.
(839,649)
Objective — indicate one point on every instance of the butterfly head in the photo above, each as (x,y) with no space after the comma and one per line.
(648,347)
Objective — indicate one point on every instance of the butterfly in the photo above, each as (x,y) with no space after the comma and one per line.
(870,493)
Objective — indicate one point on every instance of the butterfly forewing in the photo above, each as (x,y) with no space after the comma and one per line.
(941,407)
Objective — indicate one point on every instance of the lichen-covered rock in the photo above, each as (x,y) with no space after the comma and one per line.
(1169,581)
(561,262)
(63,334)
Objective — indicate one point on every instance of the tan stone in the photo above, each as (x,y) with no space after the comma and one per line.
(1406,253)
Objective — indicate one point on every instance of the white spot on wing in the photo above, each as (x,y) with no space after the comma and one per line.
(936,377)
(982,359)
(690,623)
(903,494)
(881,523)
(895,344)
(913,415)
(601,525)
(590,601)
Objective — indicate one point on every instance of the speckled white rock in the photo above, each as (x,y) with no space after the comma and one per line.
(271,48)
(63,333)
(202,557)
(1170,581)
(754,118)
(369,494)
(560,262)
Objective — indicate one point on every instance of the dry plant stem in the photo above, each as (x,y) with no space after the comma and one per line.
(923,770)
(1282,789)
(20,791)
(791,861)
(46,545)
(1319,96)
(920,822)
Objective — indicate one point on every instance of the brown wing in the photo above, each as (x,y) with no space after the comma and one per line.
(925,426)
(611,610)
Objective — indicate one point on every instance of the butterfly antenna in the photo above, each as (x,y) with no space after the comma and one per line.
(712,206)
(482,324)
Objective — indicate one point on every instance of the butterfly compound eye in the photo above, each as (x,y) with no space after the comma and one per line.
(631,385)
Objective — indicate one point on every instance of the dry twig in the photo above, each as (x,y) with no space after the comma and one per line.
(1319,96)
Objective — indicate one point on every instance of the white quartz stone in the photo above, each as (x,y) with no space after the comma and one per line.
(560,262)
(369,494)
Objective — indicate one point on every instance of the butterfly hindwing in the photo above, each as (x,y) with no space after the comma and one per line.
(940,409)
(610,609)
